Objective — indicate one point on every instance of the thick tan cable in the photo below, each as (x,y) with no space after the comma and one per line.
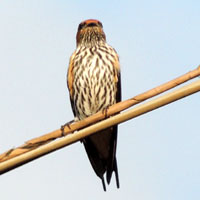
(122,117)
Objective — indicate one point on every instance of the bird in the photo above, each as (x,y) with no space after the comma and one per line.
(94,84)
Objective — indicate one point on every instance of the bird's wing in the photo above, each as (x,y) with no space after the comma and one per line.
(112,162)
(70,79)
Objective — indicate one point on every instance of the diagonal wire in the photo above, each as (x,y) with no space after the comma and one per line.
(119,118)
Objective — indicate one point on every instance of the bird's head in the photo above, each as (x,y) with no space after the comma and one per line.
(90,32)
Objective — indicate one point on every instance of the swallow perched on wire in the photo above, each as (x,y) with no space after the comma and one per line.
(94,84)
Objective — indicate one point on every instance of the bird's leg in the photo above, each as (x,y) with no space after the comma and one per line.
(63,127)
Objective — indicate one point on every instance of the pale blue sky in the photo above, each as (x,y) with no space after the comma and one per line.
(158,153)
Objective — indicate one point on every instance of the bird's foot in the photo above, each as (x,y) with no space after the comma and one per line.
(63,127)
(105,111)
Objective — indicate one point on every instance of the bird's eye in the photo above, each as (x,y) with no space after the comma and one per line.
(81,26)
(100,24)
